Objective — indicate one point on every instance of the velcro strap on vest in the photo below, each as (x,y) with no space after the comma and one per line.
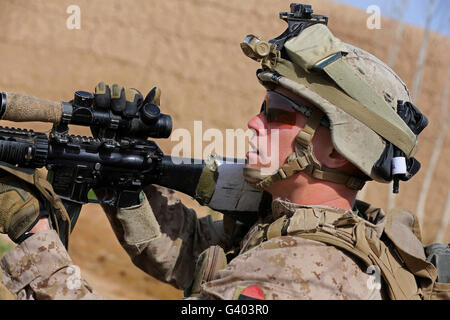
(276,229)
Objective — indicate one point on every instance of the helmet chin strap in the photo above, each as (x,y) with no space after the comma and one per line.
(303,160)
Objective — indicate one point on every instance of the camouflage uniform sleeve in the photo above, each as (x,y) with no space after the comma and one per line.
(40,269)
(170,257)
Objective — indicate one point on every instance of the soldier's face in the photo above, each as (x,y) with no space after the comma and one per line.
(276,128)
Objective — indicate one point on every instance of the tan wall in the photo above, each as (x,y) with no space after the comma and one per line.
(190,49)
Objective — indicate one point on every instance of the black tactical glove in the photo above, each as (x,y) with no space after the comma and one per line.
(121,101)
(126,102)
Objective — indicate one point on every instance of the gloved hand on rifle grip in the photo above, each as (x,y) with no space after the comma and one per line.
(19,207)
(25,198)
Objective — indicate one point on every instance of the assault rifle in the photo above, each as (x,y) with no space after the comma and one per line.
(118,155)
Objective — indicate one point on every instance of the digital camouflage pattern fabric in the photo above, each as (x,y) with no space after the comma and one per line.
(40,268)
(285,267)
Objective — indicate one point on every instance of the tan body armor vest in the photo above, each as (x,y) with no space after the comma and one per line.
(398,253)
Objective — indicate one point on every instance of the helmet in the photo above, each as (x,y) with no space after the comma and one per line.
(359,94)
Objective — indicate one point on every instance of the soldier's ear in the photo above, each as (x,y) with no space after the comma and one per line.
(334,160)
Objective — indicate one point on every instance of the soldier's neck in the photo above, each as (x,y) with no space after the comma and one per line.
(304,190)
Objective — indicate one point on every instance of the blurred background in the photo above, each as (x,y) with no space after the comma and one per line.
(190,49)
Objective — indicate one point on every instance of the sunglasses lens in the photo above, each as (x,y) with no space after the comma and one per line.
(263,108)
(278,109)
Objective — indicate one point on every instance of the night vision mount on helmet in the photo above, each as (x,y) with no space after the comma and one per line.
(300,17)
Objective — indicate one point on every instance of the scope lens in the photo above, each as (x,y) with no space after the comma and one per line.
(150,113)
(163,128)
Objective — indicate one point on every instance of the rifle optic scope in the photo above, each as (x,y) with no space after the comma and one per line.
(147,122)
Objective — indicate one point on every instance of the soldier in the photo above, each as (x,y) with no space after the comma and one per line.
(341,121)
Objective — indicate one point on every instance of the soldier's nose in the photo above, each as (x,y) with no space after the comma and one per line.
(257,123)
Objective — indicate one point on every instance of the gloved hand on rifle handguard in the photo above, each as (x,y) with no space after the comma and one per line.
(135,224)
(27,198)
(125,102)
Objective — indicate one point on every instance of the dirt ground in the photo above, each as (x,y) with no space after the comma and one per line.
(190,49)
